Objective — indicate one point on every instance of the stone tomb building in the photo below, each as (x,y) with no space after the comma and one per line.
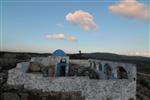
(113,81)
(55,65)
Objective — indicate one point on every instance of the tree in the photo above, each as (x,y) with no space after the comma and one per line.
(80,54)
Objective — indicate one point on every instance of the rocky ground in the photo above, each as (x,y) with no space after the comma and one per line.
(76,70)
(8,61)
(143,87)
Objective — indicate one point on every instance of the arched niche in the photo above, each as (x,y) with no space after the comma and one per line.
(108,71)
(97,66)
(100,66)
(121,73)
(90,63)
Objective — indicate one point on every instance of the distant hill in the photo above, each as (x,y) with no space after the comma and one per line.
(116,57)
(111,57)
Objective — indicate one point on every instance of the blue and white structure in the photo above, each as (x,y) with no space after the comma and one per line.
(62,67)
(59,60)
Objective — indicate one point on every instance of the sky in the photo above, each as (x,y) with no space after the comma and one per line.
(115,26)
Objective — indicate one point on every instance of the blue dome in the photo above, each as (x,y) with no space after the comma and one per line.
(59,53)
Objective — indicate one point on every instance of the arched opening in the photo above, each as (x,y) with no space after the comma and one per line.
(100,67)
(90,63)
(108,71)
(97,66)
(121,73)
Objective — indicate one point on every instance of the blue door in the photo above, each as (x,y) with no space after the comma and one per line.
(61,69)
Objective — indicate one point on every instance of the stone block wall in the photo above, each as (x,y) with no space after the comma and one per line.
(90,89)
(52,61)
(47,61)
(112,89)
(128,67)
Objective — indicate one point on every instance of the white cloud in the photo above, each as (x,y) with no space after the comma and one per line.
(146,54)
(72,39)
(131,9)
(56,36)
(62,36)
(82,19)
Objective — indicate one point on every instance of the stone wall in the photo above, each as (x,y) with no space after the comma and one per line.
(90,89)
(52,61)
(105,89)
(84,63)
(47,61)
(129,68)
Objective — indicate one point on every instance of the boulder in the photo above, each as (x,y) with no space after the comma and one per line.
(73,69)
(88,72)
(34,67)
(48,71)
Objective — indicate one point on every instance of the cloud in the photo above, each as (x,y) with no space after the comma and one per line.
(72,39)
(82,19)
(146,54)
(56,36)
(131,9)
(61,36)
